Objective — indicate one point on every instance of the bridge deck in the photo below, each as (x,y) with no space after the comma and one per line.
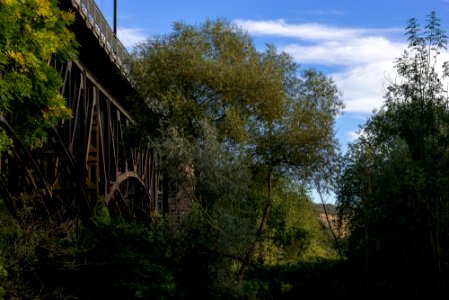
(97,23)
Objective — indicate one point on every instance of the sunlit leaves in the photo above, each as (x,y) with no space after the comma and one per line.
(297,132)
(31,33)
(208,72)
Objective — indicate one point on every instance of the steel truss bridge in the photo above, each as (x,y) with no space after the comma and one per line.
(86,161)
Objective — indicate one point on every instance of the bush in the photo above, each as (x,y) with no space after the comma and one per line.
(3,277)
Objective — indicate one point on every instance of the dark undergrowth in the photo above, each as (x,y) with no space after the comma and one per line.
(117,260)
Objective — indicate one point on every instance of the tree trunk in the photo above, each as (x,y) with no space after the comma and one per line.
(260,231)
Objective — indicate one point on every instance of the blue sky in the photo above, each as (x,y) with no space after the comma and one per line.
(353,41)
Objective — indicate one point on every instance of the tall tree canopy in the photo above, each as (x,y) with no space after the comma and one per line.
(213,74)
(32,33)
(277,119)
(394,183)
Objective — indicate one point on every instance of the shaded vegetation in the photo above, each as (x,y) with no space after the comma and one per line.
(393,185)
(121,260)
(242,135)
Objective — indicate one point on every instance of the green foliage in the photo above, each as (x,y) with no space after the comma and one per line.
(319,278)
(32,253)
(205,73)
(222,116)
(393,187)
(230,114)
(297,139)
(294,230)
(221,223)
(3,276)
(5,141)
(31,34)
(126,261)
(162,261)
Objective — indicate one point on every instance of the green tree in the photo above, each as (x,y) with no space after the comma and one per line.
(32,33)
(211,72)
(393,187)
(292,135)
(294,232)
(265,113)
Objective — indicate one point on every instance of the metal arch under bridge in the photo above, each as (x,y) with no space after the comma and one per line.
(85,158)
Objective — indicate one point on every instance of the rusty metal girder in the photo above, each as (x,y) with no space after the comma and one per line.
(41,184)
(95,137)
(86,158)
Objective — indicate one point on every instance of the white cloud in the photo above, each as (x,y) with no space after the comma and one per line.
(364,57)
(130,36)
(347,52)
(301,31)
(306,31)
(363,85)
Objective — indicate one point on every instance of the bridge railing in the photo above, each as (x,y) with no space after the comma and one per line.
(100,27)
